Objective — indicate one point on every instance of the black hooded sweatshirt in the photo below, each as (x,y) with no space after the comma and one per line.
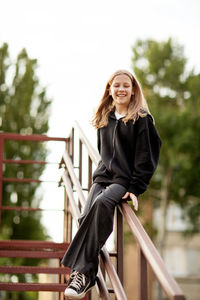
(129,153)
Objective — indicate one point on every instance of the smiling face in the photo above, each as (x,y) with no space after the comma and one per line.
(121,91)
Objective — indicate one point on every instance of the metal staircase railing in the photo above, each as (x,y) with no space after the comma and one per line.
(148,254)
(44,250)
(32,249)
(75,191)
(73,184)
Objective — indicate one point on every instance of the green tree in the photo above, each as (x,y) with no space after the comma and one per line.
(24,109)
(173,95)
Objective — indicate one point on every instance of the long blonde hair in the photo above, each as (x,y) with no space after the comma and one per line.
(137,106)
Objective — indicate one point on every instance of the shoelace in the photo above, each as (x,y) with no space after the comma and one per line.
(78,281)
(73,274)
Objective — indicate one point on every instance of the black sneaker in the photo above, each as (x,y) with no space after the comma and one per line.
(72,275)
(91,285)
(79,286)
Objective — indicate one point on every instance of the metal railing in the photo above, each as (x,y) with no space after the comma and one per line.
(27,248)
(18,137)
(74,201)
(148,254)
(73,184)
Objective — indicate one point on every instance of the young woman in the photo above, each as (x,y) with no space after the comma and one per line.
(129,146)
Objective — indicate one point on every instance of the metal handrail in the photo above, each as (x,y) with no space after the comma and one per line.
(29,248)
(30,137)
(76,214)
(154,259)
(119,291)
(151,254)
(5,136)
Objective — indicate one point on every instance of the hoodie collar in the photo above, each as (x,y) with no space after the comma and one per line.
(112,115)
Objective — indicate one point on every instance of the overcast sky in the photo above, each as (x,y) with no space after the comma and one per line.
(80,43)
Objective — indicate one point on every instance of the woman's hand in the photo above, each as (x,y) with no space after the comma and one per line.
(133,198)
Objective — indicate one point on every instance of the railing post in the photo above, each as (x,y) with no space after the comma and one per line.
(71,145)
(143,285)
(120,246)
(66,206)
(71,153)
(80,161)
(65,231)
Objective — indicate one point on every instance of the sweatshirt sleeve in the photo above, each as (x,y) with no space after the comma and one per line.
(147,152)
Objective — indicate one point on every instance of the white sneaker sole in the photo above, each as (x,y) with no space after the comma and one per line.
(80,296)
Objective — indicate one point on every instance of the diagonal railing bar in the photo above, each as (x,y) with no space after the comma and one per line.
(94,155)
(74,208)
(116,284)
(108,264)
(76,214)
(147,247)
(75,180)
(155,261)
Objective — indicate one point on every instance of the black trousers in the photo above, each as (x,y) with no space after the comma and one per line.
(96,224)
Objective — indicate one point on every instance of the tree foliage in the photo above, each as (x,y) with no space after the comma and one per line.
(173,94)
(24,109)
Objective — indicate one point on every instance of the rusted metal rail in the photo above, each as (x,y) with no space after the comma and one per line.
(19,137)
(30,249)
